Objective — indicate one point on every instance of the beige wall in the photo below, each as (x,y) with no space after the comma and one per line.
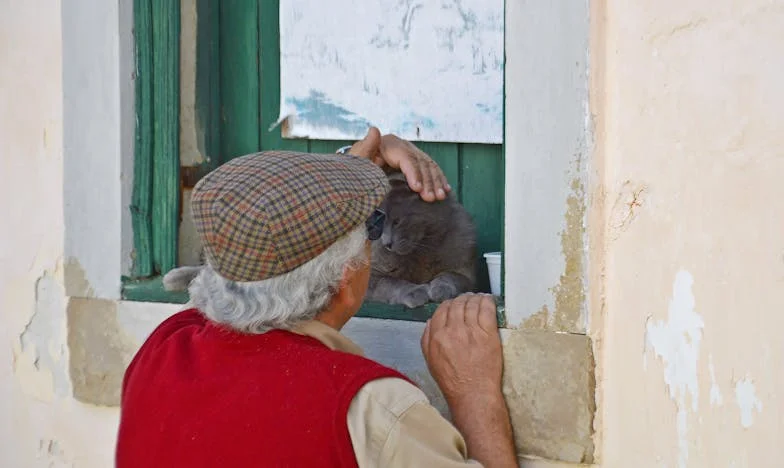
(688,213)
(40,424)
(685,247)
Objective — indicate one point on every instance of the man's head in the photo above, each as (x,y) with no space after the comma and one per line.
(285,237)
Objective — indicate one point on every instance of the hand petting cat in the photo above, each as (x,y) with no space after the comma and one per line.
(422,173)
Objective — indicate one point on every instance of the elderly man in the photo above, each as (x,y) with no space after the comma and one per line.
(257,372)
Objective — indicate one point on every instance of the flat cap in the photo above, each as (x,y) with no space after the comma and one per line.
(265,214)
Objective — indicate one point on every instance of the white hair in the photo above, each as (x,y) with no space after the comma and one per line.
(281,301)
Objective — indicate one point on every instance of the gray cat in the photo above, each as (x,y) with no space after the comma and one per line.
(426,252)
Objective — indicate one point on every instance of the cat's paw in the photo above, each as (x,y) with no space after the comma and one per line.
(416,296)
(440,291)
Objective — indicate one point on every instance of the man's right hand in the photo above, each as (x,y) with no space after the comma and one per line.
(462,347)
(463,352)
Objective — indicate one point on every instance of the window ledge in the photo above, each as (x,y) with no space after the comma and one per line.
(151,290)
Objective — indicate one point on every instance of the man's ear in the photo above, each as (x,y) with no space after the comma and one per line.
(345,294)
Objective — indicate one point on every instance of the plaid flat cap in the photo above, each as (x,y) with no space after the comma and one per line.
(265,214)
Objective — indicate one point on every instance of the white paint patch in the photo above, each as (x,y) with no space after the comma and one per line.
(747,401)
(395,61)
(715,392)
(677,343)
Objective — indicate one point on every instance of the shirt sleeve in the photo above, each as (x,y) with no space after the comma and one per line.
(392,424)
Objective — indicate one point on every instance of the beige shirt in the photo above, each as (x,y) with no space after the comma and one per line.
(391,422)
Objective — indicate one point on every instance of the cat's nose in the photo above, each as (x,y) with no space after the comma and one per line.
(387,243)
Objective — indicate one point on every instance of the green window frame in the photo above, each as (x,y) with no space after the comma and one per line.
(237,102)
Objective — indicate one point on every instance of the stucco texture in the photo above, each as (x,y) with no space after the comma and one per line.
(40,424)
(688,216)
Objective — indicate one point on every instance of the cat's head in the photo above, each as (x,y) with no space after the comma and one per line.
(411,222)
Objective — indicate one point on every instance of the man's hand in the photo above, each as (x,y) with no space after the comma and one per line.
(463,352)
(462,347)
(422,173)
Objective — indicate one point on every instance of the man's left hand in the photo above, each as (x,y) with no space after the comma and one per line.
(422,173)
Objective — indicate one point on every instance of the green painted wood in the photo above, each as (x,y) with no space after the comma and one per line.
(208,111)
(151,290)
(482,194)
(141,200)
(269,79)
(396,312)
(166,132)
(239,77)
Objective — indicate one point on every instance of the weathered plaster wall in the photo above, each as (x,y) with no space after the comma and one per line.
(40,424)
(549,363)
(548,145)
(691,149)
(98,134)
(64,193)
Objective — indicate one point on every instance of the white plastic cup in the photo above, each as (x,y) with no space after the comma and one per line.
(493,260)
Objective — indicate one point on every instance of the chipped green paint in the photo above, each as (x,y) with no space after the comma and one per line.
(165,133)
(155,201)
(141,202)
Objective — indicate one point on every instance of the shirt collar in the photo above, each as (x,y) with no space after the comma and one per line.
(328,336)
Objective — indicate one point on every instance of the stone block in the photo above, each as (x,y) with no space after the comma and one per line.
(549,387)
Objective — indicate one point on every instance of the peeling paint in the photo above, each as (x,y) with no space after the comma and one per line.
(38,364)
(100,351)
(570,292)
(539,320)
(745,396)
(75,279)
(677,343)
(715,392)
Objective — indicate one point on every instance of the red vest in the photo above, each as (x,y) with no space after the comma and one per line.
(199,395)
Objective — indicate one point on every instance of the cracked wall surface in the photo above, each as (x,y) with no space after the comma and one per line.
(548,151)
(42,425)
(688,220)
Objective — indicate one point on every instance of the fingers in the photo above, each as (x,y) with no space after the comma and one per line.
(439,318)
(457,310)
(425,341)
(439,181)
(422,173)
(428,192)
(411,169)
(444,183)
(472,307)
(487,317)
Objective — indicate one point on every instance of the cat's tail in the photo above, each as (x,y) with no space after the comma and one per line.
(180,278)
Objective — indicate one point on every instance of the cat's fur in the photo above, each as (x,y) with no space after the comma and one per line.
(426,253)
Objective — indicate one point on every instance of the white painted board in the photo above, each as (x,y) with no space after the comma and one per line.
(426,70)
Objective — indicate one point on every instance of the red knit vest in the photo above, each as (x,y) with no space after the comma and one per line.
(198,395)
